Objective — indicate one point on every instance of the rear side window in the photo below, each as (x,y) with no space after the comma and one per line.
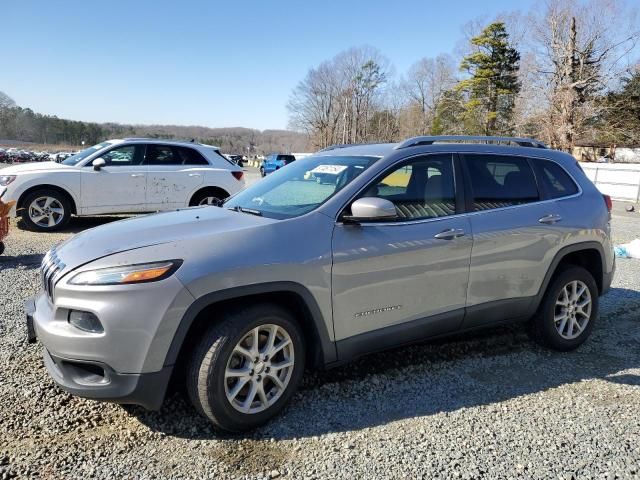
(499,181)
(161,155)
(555,181)
(189,156)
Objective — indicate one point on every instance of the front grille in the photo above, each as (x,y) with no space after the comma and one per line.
(50,271)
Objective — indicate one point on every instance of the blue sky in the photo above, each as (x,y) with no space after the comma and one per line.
(217,64)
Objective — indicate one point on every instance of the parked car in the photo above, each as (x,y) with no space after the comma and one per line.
(4,157)
(415,240)
(275,162)
(131,175)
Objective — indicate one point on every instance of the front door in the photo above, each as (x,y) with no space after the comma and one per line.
(119,186)
(398,281)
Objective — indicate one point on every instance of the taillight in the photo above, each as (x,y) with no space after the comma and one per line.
(238,175)
(607,201)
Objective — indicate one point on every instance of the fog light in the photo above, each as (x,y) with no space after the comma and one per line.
(86,321)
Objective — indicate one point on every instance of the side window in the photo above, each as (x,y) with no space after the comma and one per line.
(555,181)
(421,188)
(161,155)
(500,181)
(122,156)
(189,156)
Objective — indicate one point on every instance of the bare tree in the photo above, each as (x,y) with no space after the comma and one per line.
(426,82)
(581,48)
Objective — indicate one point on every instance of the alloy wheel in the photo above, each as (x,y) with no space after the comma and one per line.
(209,201)
(46,212)
(573,309)
(259,369)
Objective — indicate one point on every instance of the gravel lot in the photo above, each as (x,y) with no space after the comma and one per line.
(492,405)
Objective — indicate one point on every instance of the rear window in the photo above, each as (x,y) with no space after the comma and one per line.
(287,159)
(499,181)
(555,181)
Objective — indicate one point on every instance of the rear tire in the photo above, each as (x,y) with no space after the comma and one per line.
(46,210)
(237,384)
(208,196)
(568,310)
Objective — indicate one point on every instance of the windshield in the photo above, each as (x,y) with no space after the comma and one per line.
(78,157)
(300,187)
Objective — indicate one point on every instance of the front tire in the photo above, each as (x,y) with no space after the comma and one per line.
(245,368)
(568,310)
(211,197)
(46,210)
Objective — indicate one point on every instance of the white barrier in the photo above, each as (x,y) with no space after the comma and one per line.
(621,181)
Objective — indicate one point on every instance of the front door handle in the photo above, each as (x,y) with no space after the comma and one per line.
(449,234)
(550,219)
(195,175)
(136,175)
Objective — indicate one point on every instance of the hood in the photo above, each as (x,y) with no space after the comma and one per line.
(151,230)
(33,167)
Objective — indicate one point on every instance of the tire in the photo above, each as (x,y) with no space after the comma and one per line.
(208,197)
(215,355)
(262,174)
(1,248)
(54,206)
(546,330)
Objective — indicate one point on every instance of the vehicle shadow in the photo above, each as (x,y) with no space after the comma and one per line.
(437,377)
(26,262)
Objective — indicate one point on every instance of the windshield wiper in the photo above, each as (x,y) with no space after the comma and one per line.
(250,211)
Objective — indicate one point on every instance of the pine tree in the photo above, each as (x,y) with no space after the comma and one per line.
(493,84)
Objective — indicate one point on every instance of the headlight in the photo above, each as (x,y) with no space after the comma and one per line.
(140,273)
(6,180)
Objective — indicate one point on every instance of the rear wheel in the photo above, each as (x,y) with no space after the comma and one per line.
(245,369)
(209,196)
(46,210)
(568,310)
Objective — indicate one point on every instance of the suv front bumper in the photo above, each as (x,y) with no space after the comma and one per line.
(113,366)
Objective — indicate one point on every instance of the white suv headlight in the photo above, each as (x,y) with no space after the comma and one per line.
(140,273)
(6,180)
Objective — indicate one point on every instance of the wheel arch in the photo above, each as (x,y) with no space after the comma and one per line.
(20,204)
(224,194)
(295,297)
(588,255)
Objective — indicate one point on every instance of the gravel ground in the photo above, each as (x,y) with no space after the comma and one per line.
(491,405)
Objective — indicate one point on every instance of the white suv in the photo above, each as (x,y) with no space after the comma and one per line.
(120,176)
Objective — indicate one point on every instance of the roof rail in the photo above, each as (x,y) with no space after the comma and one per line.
(417,141)
(164,139)
(338,145)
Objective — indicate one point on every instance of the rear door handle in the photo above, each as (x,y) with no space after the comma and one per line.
(136,175)
(550,219)
(449,234)
(195,175)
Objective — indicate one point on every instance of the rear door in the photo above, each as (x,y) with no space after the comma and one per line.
(174,175)
(398,281)
(516,234)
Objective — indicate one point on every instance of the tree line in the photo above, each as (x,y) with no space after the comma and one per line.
(563,74)
(23,124)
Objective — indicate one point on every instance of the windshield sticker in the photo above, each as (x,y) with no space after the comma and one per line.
(329,169)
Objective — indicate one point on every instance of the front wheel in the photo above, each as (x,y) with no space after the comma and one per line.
(46,210)
(568,310)
(245,368)
(262,173)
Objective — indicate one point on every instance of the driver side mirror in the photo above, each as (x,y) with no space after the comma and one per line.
(371,209)
(98,163)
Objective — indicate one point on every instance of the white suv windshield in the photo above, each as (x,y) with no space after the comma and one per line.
(300,187)
(78,157)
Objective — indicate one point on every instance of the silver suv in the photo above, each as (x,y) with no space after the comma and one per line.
(397,243)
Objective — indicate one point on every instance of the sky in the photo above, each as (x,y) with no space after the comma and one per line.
(210,63)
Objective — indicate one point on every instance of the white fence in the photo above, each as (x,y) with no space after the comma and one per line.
(620,181)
